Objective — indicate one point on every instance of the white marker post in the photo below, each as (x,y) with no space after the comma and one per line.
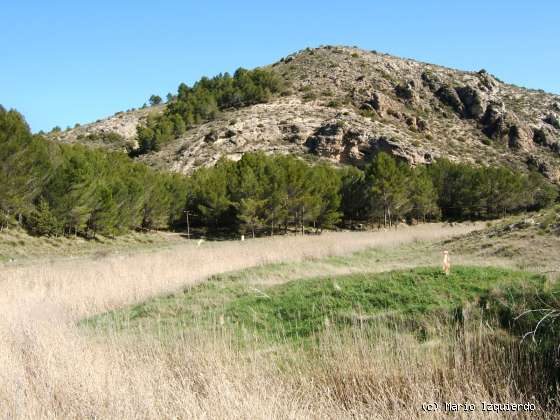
(446,262)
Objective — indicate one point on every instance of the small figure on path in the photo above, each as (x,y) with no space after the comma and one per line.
(446,262)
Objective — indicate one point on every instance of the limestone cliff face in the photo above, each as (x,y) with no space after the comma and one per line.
(346,104)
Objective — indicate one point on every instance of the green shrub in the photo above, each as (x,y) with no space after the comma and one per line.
(42,221)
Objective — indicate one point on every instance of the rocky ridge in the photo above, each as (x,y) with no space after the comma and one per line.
(345,104)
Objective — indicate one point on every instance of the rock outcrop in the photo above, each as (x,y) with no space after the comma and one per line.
(449,96)
(552,119)
(471,98)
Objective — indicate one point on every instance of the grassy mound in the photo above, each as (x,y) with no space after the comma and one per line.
(361,333)
(300,308)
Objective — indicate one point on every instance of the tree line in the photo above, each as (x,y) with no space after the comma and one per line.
(270,194)
(261,193)
(388,190)
(56,189)
(203,102)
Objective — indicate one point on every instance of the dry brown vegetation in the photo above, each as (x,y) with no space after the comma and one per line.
(54,369)
(17,247)
(530,242)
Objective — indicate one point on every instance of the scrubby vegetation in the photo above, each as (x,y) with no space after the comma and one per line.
(204,101)
(109,140)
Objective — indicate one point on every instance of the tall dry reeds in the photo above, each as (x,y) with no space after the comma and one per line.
(50,368)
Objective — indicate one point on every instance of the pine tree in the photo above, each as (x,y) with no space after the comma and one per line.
(155,100)
(250,213)
(540,192)
(275,192)
(354,195)
(145,136)
(423,195)
(25,165)
(388,186)
(103,216)
(324,196)
(208,197)
(42,221)
(179,126)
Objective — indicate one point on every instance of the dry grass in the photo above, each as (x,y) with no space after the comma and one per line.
(18,247)
(51,369)
(528,242)
(88,286)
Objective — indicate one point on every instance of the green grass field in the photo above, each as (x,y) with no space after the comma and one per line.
(301,308)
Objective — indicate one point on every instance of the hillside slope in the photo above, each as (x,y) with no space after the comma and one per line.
(345,104)
(95,134)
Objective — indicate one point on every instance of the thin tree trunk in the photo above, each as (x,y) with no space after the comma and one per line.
(302,216)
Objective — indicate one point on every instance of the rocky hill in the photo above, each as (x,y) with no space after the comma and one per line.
(345,104)
(98,134)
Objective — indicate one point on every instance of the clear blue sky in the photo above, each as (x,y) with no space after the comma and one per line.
(64,62)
